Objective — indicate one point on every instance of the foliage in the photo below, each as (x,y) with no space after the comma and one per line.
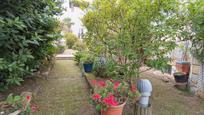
(99,67)
(80,3)
(66,24)
(79,45)
(60,49)
(20,103)
(71,39)
(111,93)
(78,56)
(27,32)
(196,10)
(132,32)
(87,58)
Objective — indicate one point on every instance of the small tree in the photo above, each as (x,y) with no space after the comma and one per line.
(66,24)
(132,33)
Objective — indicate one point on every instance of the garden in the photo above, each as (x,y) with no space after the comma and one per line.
(116,67)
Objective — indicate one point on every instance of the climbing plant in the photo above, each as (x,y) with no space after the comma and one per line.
(132,33)
(27,31)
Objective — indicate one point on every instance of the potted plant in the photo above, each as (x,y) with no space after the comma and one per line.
(87,61)
(78,56)
(110,97)
(184,64)
(180,77)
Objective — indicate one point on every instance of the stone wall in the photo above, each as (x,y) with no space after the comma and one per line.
(196,80)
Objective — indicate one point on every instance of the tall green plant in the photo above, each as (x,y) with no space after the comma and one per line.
(27,31)
(133,32)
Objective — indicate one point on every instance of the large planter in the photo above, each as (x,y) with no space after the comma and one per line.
(180,77)
(88,67)
(114,110)
(183,66)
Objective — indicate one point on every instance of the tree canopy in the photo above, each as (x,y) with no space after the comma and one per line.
(133,32)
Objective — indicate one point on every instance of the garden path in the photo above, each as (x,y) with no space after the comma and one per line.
(64,92)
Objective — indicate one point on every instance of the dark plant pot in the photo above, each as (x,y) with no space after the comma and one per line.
(88,67)
(180,78)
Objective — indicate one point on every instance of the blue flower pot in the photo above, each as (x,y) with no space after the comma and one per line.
(88,67)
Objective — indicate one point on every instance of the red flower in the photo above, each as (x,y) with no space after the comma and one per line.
(133,88)
(101,83)
(96,96)
(28,98)
(116,85)
(110,100)
(94,82)
(33,107)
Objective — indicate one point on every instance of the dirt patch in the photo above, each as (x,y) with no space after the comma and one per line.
(28,85)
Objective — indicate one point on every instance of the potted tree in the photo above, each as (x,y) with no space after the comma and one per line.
(110,97)
(87,61)
(184,64)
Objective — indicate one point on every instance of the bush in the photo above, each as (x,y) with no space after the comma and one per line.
(71,39)
(80,46)
(87,58)
(78,56)
(60,49)
(28,29)
(100,67)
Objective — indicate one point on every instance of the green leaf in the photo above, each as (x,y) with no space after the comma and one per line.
(98,107)
(17,98)
(10,99)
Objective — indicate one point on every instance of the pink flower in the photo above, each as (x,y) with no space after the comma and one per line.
(101,83)
(94,82)
(96,96)
(116,85)
(33,107)
(28,98)
(110,100)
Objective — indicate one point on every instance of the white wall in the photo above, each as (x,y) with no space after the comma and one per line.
(75,14)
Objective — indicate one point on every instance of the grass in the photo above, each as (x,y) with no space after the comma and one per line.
(64,93)
(167,100)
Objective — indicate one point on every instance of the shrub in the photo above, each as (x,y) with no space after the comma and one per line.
(80,46)
(71,39)
(28,29)
(87,58)
(78,56)
(60,49)
(100,67)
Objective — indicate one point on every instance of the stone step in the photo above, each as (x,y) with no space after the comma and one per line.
(64,57)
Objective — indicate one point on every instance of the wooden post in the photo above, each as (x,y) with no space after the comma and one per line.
(139,110)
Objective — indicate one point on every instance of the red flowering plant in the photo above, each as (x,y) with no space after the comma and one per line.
(112,93)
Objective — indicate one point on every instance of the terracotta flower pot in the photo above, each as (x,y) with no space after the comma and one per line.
(183,67)
(114,110)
